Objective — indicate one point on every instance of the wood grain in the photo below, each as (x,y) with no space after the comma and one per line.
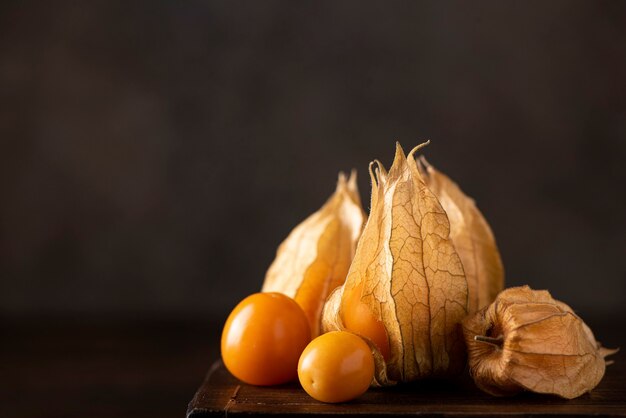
(221,394)
(131,367)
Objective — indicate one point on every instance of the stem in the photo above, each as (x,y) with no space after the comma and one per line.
(497,341)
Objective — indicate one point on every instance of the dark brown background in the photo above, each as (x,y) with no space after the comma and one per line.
(154,154)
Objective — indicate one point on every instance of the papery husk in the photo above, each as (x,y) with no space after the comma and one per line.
(314,259)
(410,277)
(472,238)
(526,340)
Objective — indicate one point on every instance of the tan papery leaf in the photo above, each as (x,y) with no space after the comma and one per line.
(315,257)
(526,340)
(472,238)
(406,291)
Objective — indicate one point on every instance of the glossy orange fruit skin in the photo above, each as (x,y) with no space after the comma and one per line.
(263,338)
(336,367)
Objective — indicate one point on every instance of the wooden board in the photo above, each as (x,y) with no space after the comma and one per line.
(221,394)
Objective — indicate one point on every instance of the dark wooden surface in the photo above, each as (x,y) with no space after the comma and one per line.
(128,367)
(221,395)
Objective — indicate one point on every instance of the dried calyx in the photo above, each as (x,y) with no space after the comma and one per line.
(471,235)
(424,260)
(526,340)
(314,259)
(406,290)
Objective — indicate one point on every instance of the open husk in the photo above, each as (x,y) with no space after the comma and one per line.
(406,290)
(315,257)
(526,340)
(472,238)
